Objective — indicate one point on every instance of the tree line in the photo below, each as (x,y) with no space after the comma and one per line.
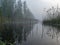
(53,15)
(10,9)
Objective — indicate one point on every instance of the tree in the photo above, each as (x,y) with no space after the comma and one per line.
(7,7)
(0,11)
(27,12)
(18,11)
(7,11)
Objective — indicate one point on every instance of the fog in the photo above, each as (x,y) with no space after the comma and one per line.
(38,7)
(22,22)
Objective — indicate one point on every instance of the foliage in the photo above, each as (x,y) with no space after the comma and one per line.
(55,20)
(2,43)
(9,12)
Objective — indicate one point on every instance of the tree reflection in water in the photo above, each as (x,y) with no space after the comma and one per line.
(13,33)
(54,33)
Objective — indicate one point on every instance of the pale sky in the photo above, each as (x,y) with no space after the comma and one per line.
(37,6)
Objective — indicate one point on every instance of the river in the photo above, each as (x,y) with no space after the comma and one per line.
(42,35)
(31,34)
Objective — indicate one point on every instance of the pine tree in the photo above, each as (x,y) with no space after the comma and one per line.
(18,11)
(27,12)
(25,7)
(7,7)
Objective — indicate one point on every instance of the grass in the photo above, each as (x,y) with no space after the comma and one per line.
(2,43)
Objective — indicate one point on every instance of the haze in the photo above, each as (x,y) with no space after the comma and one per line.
(37,7)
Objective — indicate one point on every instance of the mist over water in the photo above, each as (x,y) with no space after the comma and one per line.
(41,35)
(29,22)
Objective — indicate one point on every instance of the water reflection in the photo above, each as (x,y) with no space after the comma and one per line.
(21,32)
(53,32)
(30,34)
(15,33)
(42,35)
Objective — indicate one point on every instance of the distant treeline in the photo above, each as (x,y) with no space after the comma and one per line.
(53,17)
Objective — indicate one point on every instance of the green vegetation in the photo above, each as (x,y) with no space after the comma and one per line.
(2,43)
(12,12)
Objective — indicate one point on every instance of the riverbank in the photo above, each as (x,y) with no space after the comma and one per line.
(52,22)
(2,43)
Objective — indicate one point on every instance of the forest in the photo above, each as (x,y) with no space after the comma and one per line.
(10,12)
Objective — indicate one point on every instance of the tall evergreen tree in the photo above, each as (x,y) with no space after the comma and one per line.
(27,12)
(25,8)
(18,11)
(7,7)
(0,11)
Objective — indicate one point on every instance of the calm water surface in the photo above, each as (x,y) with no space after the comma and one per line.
(42,35)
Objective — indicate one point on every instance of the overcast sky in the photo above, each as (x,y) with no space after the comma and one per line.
(37,6)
